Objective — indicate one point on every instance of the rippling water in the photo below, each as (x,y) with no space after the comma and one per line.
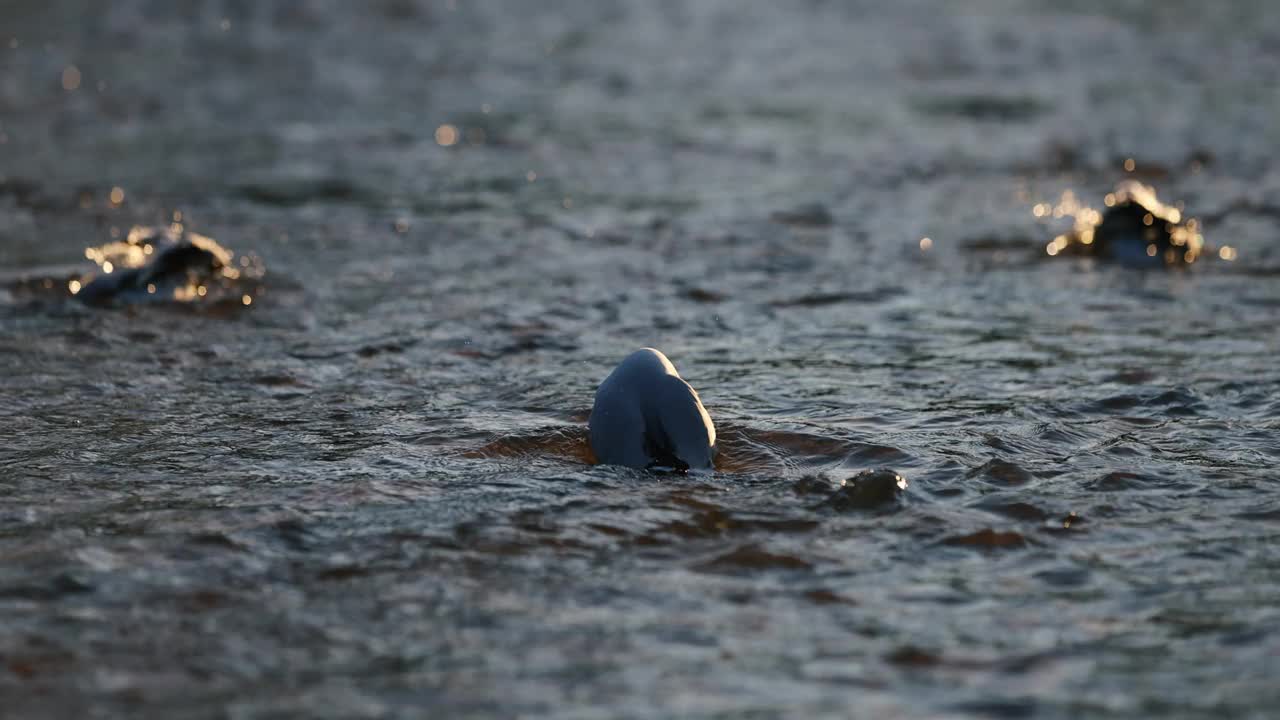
(369,493)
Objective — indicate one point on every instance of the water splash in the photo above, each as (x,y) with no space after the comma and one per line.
(1136,228)
(167,264)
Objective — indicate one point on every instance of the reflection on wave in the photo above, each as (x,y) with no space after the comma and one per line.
(167,264)
(564,443)
(1135,229)
(158,264)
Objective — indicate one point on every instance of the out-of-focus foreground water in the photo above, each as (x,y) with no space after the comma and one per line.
(366,494)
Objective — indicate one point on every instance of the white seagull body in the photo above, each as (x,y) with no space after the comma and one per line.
(646,416)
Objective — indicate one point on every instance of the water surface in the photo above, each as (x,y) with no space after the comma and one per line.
(368,493)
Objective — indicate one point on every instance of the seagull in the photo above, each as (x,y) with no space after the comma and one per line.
(647,417)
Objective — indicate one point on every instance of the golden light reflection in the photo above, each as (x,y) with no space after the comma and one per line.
(446,135)
(246,300)
(1226,252)
(1130,165)
(161,266)
(117,196)
(1167,224)
(926,244)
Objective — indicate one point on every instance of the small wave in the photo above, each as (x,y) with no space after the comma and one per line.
(155,264)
